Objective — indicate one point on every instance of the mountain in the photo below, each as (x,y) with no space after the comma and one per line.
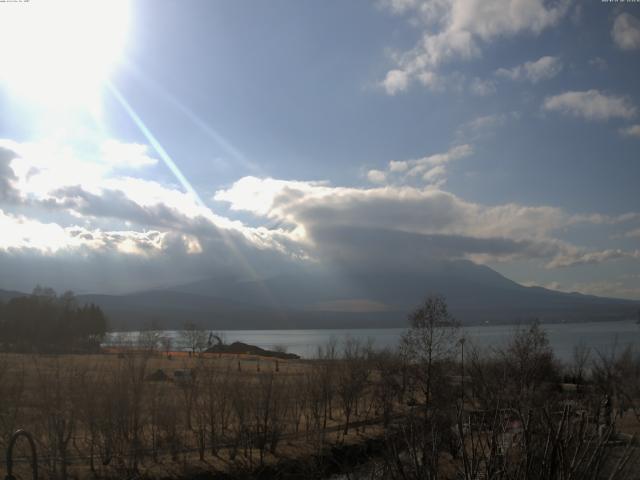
(334,299)
(474,293)
(6,295)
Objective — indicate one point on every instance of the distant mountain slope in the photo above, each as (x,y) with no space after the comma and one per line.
(463,283)
(9,294)
(331,299)
(475,294)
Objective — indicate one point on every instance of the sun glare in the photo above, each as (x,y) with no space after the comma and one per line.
(57,54)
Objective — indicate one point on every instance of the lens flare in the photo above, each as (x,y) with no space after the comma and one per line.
(57,54)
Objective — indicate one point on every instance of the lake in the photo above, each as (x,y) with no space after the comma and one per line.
(600,336)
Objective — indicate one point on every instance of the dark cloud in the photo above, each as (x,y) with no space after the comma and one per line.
(8,194)
(376,248)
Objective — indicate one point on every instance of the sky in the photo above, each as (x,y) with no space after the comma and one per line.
(151,143)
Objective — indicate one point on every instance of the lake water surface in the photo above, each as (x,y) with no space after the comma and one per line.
(600,336)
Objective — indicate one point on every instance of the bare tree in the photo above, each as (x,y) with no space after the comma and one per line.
(149,339)
(581,354)
(298,403)
(326,376)
(194,336)
(529,364)
(269,407)
(58,414)
(618,375)
(12,391)
(128,409)
(166,342)
(430,340)
(541,445)
(217,405)
(388,385)
(352,378)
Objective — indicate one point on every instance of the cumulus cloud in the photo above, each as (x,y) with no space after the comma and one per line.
(590,105)
(396,81)
(22,233)
(459,29)
(126,155)
(631,131)
(403,226)
(89,209)
(404,222)
(535,71)
(626,32)
(40,167)
(431,169)
(376,176)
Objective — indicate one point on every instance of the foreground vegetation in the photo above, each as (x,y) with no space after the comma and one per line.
(435,408)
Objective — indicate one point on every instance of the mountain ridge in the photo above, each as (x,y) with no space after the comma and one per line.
(332,299)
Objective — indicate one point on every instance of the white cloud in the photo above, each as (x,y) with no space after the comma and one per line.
(92,209)
(402,223)
(44,166)
(458,29)
(398,166)
(626,32)
(590,105)
(485,121)
(258,195)
(111,214)
(484,126)
(127,155)
(549,285)
(633,233)
(376,176)
(22,233)
(395,81)
(432,168)
(581,257)
(535,71)
(434,174)
(632,131)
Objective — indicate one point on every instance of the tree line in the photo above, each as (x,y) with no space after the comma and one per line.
(51,323)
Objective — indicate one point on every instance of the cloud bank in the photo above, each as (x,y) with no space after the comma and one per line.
(401,225)
(98,232)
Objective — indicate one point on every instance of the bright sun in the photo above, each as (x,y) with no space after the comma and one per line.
(58,53)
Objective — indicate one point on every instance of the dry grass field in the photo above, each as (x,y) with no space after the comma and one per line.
(150,414)
(158,415)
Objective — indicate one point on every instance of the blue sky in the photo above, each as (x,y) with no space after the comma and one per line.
(510,127)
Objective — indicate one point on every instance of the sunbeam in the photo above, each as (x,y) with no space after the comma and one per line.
(168,161)
(207,129)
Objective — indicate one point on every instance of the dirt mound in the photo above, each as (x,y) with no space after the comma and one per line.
(245,348)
